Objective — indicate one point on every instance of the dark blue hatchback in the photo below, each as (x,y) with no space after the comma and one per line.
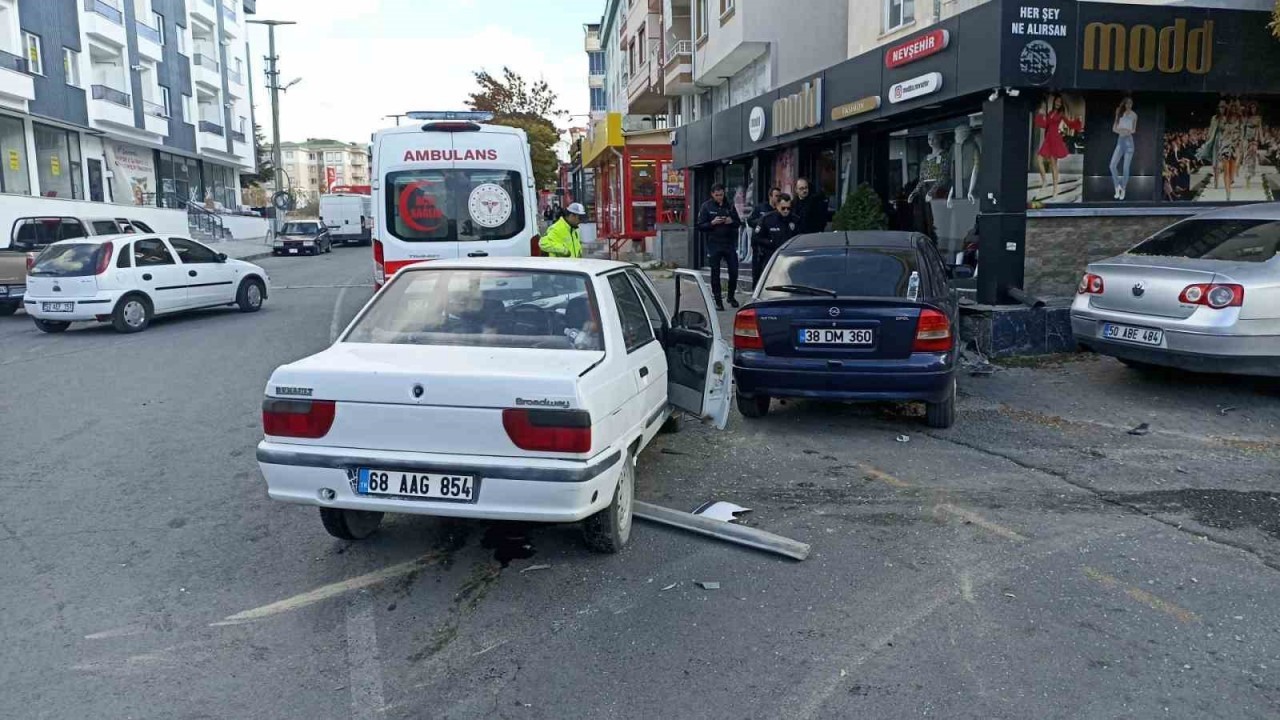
(856,316)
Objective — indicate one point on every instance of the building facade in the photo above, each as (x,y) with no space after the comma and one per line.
(1048,133)
(313,168)
(135,102)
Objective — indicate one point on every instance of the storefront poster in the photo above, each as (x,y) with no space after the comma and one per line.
(15,162)
(1041,42)
(55,165)
(1056,174)
(1223,150)
(133,172)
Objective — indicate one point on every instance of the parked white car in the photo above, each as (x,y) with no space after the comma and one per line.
(129,279)
(499,388)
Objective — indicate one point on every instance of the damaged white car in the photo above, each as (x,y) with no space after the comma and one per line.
(505,389)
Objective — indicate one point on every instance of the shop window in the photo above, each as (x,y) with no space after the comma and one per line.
(898,13)
(58,162)
(14,177)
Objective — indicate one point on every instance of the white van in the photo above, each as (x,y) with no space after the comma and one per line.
(448,186)
(348,217)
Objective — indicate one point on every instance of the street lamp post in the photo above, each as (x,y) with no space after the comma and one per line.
(273,84)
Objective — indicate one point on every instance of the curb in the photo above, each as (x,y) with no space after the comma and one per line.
(257,256)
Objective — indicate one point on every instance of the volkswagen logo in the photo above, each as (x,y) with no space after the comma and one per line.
(417,391)
(1139,289)
(834,312)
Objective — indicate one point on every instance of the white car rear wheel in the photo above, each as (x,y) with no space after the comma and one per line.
(608,530)
(350,524)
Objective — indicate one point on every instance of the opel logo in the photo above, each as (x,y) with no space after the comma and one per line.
(834,312)
(1139,289)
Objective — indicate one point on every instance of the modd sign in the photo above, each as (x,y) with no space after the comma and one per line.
(800,111)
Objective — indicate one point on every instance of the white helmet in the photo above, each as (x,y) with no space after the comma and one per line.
(577,209)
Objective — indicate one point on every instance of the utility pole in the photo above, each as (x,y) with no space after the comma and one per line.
(273,84)
(397,117)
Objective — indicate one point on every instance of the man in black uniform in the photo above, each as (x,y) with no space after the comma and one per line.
(811,209)
(775,229)
(719,222)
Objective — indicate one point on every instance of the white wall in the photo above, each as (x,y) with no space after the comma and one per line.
(161,220)
(245,228)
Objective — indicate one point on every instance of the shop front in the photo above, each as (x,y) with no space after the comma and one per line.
(636,186)
(1040,134)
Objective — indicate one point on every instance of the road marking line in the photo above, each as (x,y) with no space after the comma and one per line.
(966,586)
(1138,594)
(334,328)
(976,519)
(872,473)
(328,591)
(117,632)
(362,660)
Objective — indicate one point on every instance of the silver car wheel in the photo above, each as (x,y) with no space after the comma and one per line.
(254,295)
(135,313)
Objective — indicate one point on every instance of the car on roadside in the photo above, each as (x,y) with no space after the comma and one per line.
(302,237)
(127,280)
(851,316)
(30,235)
(497,388)
(1202,295)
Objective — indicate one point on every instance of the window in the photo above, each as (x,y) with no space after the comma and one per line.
(435,205)
(636,331)
(125,260)
(181,38)
(105,227)
(1252,241)
(188,109)
(700,19)
(898,13)
(312,157)
(657,319)
(141,226)
(71,66)
(596,62)
(243,124)
(726,9)
(35,56)
(151,253)
(30,234)
(164,100)
(58,162)
(14,175)
(74,260)
(597,100)
(158,22)
(862,272)
(484,308)
(192,253)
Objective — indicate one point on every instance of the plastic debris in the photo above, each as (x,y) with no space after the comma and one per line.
(720,510)
(669,587)
(535,568)
(709,585)
(1225,410)
(1143,429)
(904,438)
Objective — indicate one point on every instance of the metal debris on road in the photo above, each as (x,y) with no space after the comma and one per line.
(740,534)
(709,585)
(904,438)
(1225,410)
(535,568)
(669,587)
(1143,429)
(720,510)
(1011,595)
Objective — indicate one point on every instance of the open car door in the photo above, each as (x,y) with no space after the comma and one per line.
(699,361)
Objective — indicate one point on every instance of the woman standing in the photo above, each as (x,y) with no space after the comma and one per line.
(1231,137)
(1209,151)
(1252,140)
(1052,117)
(1124,126)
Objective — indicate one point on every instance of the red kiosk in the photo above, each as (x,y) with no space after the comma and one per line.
(636,186)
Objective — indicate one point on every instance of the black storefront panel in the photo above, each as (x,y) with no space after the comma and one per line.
(977,55)
(727,130)
(698,147)
(761,118)
(851,82)
(944,64)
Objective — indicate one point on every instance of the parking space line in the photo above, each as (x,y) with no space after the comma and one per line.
(872,473)
(325,592)
(334,327)
(974,518)
(363,663)
(1138,594)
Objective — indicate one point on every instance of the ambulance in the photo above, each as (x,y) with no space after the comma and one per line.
(446,185)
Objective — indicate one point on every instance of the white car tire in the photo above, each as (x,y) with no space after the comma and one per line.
(609,530)
(250,296)
(350,524)
(132,314)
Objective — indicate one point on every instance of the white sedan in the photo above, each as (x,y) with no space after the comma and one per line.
(504,389)
(129,279)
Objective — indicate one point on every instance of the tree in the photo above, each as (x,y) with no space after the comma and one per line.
(862,210)
(515,102)
(266,167)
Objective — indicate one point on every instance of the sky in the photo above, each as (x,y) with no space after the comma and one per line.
(360,60)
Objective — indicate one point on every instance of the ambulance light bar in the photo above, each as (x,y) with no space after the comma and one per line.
(480,116)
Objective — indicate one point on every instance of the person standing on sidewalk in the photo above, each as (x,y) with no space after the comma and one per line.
(719,222)
(561,239)
(775,229)
(810,209)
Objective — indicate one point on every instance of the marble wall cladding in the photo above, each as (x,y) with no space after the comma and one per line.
(1059,248)
(1017,330)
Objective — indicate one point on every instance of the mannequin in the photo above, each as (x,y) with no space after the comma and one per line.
(965,137)
(935,170)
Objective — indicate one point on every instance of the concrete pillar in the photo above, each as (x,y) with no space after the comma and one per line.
(1002,191)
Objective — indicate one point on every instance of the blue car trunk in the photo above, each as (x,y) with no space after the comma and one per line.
(849,329)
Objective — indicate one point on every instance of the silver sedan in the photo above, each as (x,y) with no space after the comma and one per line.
(1203,294)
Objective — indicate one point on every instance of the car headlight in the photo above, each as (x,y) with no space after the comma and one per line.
(308,243)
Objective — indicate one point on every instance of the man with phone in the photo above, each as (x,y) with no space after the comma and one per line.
(719,222)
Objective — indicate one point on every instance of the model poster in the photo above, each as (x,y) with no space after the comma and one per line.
(1057,150)
(1221,152)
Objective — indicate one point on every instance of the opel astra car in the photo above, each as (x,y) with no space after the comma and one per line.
(1203,295)
(499,388)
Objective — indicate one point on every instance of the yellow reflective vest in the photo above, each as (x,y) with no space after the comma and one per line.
(561,241)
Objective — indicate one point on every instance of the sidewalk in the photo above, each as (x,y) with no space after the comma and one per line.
(243,249)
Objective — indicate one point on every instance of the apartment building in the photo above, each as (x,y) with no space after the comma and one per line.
(138,102)
(316,166)
(595,67)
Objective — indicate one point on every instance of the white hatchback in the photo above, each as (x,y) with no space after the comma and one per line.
(129,279)
(503,388)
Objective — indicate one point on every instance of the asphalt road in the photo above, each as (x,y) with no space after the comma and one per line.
(1035,561)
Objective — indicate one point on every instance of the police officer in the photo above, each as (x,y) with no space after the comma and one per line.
(719,221)
(775,229)
(561,239)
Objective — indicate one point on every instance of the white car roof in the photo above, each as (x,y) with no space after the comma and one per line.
(1256,211)
(589,266)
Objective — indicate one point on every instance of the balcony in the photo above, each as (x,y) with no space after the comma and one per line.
(206,70)
(17,87)
(235,76)
(149,41)
(206,10)
(213,128)
(103,21)
(677,68)
(156,118)
(237,136)
(644,87)
(229,12)
(112,95)
(111,107)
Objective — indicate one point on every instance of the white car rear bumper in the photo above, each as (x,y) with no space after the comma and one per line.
(86,308)
(522,489)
